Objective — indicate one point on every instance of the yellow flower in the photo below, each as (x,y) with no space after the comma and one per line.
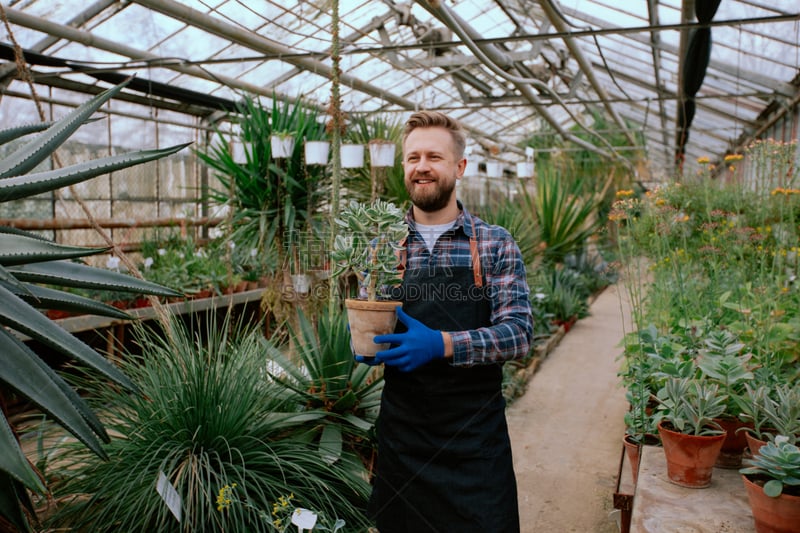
(733,157)
(704,160)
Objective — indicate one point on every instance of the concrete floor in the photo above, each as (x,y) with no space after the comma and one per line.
(566,430)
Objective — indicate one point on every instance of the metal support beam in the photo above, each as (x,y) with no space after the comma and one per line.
(585,67)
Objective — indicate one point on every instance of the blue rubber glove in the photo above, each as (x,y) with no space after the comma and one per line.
(370,361)
(412,349)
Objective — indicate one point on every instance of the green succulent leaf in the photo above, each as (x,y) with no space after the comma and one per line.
(773,488)
(21,249)
(14,188)
(47,298)
(24,371)
(12,495)
(330,443)
(13,461)
(27,156)
(77,275)
(20,316)
(15,132)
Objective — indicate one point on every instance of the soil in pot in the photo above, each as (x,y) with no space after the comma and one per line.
(690,458)
(773,515)
(368,319)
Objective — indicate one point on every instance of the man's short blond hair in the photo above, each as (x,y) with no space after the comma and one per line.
(437,119)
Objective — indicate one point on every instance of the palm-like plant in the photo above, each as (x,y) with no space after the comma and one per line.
(566,217)
(319,372)
(28,260)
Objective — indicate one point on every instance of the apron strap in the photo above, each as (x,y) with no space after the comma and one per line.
(476,258)
(477,271)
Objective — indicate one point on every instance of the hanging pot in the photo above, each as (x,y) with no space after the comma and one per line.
(367,319)
(690,458)
(494,169)
(240,150)
(282,146)
(352,155)
(301,283)
(381,153)
(525,169)
(772,515)
(317,152)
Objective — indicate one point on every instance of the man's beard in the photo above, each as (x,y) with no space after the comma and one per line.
(432,201)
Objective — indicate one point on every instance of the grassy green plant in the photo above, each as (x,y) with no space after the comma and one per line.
(208,416)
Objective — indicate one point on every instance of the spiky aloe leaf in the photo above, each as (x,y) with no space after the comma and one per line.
(19,316)
(32,378)
(17,187)
(46,298)
(12,494)
(21,249)
(77,275)
(27,156)
(13,461)
(9,134)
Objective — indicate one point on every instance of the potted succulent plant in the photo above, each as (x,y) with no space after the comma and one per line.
(721,361)
(369,244)
(691,438)
(772,481)
(770,410)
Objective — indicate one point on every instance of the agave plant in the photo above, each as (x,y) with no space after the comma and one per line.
(28,261)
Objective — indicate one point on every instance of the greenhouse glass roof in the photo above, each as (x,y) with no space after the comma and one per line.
(509,69)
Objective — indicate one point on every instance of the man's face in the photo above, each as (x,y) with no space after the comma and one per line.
(431,168)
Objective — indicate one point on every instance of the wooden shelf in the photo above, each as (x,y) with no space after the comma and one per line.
(660,506)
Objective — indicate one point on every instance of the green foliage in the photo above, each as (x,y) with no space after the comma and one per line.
(208,417)
(27,260)
(271,200)
(721,362)
(565,216)
(691,405)
(778,462)
(368,245)
(559,292)
(318,371)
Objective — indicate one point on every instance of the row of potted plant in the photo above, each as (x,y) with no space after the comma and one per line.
(710,265)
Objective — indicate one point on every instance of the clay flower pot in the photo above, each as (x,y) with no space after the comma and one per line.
(730,456)
(772,515)
(690,458)
(367,319)
(633,450)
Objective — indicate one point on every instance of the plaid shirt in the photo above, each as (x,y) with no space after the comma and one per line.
(511,331)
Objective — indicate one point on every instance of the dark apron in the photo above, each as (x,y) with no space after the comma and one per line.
(444,457)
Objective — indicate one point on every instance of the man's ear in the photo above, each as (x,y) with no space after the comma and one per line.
(461,167)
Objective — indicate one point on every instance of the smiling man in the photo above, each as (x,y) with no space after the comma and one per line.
(444,457)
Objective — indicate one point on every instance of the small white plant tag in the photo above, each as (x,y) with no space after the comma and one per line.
(304,519)
(169,495)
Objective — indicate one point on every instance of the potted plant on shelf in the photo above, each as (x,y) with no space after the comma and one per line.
(722,362)
(770,411)
(368,247)
(689,435)
(772,481)
(641,426)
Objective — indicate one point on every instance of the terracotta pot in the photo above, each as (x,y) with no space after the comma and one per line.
(368,319)
(690,458)
(633,450)
(753,443)
(773,515)
(730,456)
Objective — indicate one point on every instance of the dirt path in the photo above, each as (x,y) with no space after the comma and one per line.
(566,430)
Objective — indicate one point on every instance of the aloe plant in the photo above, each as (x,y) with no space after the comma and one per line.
(28,260)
